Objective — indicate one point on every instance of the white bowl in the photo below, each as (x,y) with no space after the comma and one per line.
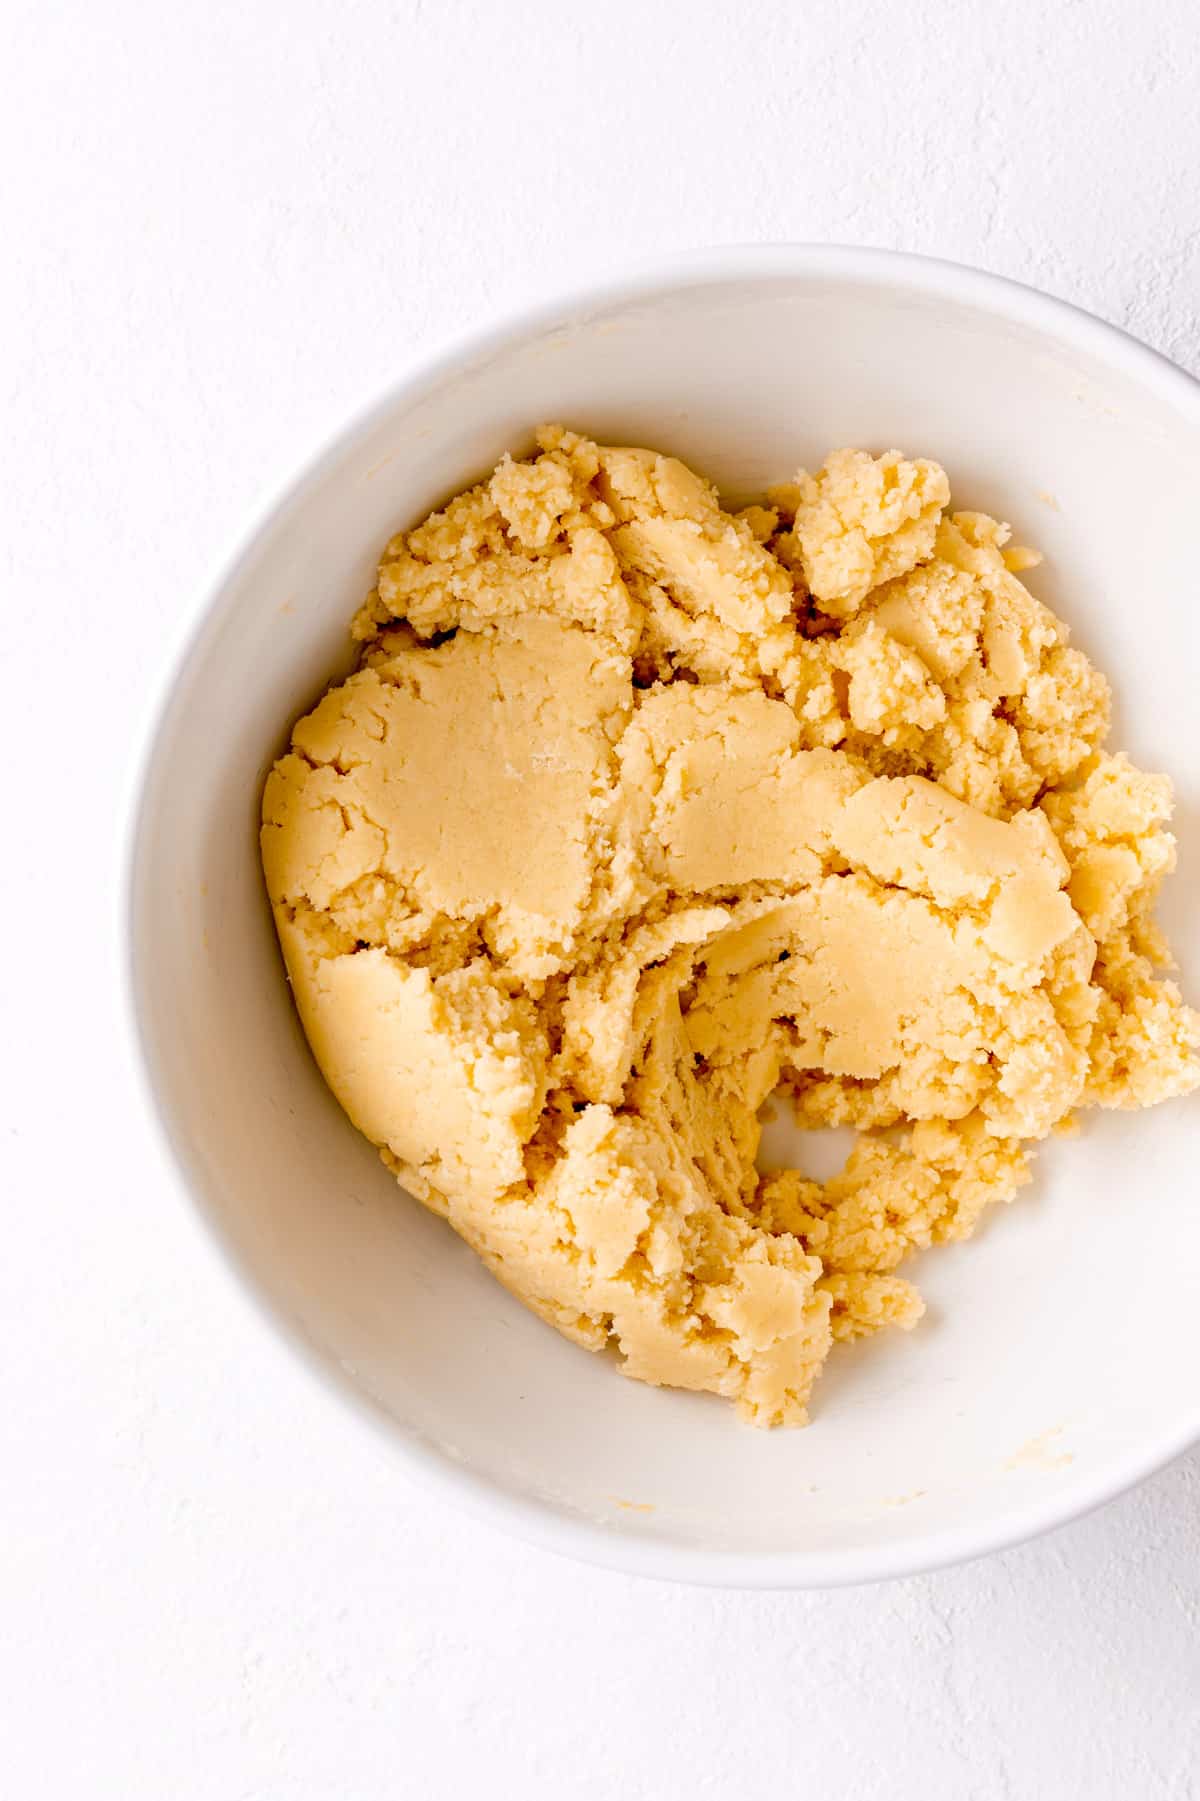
(1060,1358)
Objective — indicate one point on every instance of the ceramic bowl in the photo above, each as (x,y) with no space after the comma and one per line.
(1059,1360)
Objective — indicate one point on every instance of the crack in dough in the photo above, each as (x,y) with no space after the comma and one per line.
(637,811)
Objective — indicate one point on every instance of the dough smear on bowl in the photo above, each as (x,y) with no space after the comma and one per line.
(638,811)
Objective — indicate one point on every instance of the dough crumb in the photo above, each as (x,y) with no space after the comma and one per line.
(638,812)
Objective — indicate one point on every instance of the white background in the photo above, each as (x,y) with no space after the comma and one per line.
(222,227)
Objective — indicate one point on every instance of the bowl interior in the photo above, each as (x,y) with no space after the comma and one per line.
(1059,1354)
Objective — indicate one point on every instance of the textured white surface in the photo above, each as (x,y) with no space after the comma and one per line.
(223,227)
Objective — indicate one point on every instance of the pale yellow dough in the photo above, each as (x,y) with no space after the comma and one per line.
(638,811)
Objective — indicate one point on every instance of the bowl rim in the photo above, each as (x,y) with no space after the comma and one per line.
(536,1521)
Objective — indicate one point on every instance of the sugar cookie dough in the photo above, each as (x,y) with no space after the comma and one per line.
(638,811)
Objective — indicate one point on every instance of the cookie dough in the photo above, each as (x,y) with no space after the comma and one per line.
(637,812)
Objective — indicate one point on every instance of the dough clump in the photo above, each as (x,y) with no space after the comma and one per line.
(638,811)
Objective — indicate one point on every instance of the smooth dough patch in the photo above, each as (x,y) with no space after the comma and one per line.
(638,811)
